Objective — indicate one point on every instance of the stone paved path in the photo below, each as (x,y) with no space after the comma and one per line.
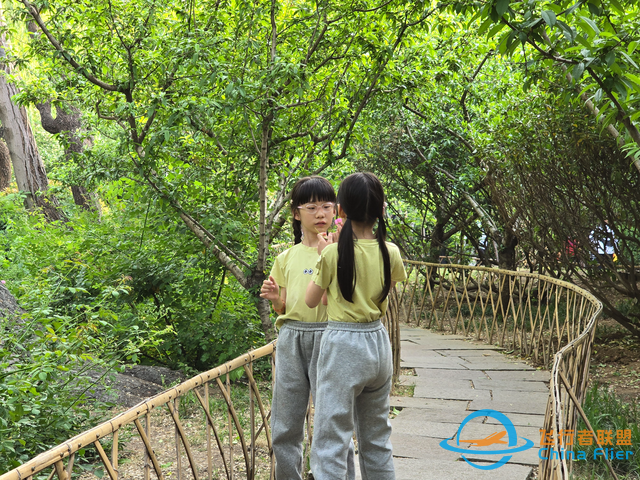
(453,378)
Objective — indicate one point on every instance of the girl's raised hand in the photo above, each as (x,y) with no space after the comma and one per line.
(325,239)
(270,289)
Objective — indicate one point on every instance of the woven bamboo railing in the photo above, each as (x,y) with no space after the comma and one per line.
(224,452)
(546,320)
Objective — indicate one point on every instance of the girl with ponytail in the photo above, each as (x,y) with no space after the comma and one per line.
(300,327)
(355,360)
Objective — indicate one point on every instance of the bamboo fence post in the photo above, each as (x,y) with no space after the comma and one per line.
(253,424)
(228,396)
(567,387)
(176,435)
(60,471)
(208,431)
(424,295)
(114,452)
(181,436)
(69,468)
(105,460)
(147,452)
(215,431)
(263,414)
(236,421)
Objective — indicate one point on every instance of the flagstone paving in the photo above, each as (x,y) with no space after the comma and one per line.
(454,378)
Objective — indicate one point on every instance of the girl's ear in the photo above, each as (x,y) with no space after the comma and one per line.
(296,215)
(341,213)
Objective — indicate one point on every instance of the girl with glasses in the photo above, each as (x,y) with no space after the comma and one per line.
(300,327)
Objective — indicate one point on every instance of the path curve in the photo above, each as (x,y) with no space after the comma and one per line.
(455,377)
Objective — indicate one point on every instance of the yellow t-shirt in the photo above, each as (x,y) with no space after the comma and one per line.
(292,270)
(366,306)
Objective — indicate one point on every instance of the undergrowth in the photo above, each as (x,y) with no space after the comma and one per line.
(607,413)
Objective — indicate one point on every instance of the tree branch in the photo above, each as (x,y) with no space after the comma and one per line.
(466,90)
(474,204)
(81,70)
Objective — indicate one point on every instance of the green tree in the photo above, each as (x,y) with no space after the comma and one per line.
(220,106)
(593,42)
(434,132)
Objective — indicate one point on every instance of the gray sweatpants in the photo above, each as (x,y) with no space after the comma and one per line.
(296,366)
(354,382)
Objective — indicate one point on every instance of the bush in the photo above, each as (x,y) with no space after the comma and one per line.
(607,412)
(44,381)
(102,292)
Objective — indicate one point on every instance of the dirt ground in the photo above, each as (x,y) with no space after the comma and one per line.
(615,361)
(163,437)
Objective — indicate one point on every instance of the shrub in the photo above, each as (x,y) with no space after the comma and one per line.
(607,412)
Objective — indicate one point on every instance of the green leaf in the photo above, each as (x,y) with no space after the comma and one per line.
(587,88)
(572,8)
(486,24)
(610,58)
(598,96)
(591,26)
(616,5)
(566,30)
(502,6)
(549,17)
(496,28)
(634,78)
(620,88)
(577,71)
(584,42)
(594,9)
(629,59)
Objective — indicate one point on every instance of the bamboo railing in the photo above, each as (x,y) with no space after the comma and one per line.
(546,320)
(237,461)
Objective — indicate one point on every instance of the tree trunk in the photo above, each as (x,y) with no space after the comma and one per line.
(264,309)
(5,166)
(507,257)
(28,167)
(68,124)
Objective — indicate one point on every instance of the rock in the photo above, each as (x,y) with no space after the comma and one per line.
(8,303)
(134,385)
(159,375)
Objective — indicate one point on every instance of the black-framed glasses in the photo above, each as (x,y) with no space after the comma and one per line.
(313,208)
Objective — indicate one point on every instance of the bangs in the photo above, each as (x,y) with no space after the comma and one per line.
(316,189)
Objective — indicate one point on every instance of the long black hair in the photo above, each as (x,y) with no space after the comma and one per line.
(361,197)
(309,189)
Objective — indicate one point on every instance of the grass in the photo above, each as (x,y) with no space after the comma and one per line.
(606,412)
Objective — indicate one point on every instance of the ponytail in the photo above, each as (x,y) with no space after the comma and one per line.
(297,231)
(381,235)
(346,262)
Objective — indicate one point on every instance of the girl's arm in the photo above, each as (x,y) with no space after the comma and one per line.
(272,292)
(314,295)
